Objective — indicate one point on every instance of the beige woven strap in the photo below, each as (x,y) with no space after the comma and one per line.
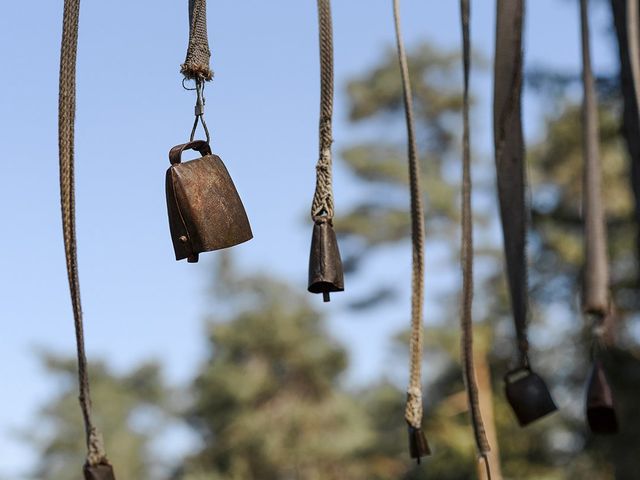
(322,205)
(413,411)
(66,123)
(595,296)
(196,64)
(471,385)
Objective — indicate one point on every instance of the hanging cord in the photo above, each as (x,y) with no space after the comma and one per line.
(509,154)
(196,64)
(413,411)
(482,443)
(322,205)
(596,274)
(66,120)
(633,39)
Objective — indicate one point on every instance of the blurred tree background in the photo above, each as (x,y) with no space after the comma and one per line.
(270,402)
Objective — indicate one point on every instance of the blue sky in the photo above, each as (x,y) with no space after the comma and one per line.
(262,108)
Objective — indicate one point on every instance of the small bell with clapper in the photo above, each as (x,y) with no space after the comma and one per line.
(601,413)
(325,264)
(528,395)
(102,471)
(204,208)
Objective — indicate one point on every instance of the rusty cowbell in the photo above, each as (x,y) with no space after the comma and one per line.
(601,413)
(418,445)
(528,395)
(205,210)
(102,471)
(325,265)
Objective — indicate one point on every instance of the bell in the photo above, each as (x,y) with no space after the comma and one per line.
(205,210)
(528,395)
(325,265)
(601,413)
(102,471)
(418,446)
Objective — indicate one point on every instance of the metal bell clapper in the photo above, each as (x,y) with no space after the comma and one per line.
(418,445)
(601,413)
(325,265)
(102,471)
(528,395)
(204,208)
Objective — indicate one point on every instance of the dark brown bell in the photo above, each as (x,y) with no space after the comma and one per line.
(528,395)
(325,265)
(601,413)
(102,471)
(418,446)
(205,210)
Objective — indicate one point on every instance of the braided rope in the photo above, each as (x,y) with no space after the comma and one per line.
(196,64)
(413,410)
(66,121)
(482,443)
(596,274)
(322,205)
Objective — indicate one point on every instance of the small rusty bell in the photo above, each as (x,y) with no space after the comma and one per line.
(325,265)
(528,395)
(601,413)
(205,210)
(102,471)
(418,445)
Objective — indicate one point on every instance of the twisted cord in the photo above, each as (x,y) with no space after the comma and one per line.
(596,276)
(322,205)
(510,158)
(467,252)
(196,65)
(413,410)
(66,121)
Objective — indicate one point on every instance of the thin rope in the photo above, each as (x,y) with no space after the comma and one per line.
(596,274)
(482,443)
(413,410)
(196,64)
(322,205)
(633,39)
(66,122)
(510,159)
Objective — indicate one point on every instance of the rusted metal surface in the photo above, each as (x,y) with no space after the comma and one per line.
(601,412)
(528,395)
(325,264)
(99,472)
(204,208)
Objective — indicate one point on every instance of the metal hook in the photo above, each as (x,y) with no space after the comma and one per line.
(199,111)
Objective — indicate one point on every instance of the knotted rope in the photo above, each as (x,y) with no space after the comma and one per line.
(322,205)
(480,436)
(196,64)
(66,122)
(509,158)
(596,273)
(413,410)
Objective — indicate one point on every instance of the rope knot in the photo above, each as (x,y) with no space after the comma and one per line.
(413,409)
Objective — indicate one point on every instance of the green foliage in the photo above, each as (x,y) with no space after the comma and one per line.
(119,401)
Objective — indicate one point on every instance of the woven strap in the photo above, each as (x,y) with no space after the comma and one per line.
(196,65)
(509,157)
(480,436)
(322,205)
(413,410)
(66,123)
(595,297)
